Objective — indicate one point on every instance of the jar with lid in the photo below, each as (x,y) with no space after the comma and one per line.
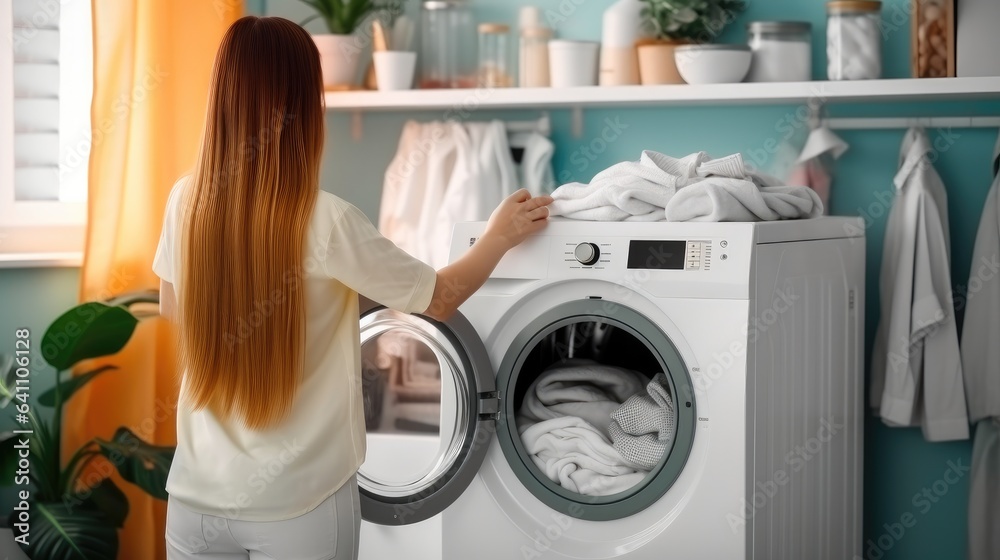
(533,50)
(782,51)
(447,54)
(494,56)
(853,40)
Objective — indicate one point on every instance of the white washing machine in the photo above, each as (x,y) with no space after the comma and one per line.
(759,330)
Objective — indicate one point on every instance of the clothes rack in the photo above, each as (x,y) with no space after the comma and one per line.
(908,122)
(541,125)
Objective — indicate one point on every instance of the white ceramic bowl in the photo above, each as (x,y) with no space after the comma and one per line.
(713,64)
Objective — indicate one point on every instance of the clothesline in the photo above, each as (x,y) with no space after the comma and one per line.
(877,123)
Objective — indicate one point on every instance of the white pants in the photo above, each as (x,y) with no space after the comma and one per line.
(329,531)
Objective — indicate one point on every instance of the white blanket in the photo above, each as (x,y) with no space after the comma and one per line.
(694,188)
(563,422)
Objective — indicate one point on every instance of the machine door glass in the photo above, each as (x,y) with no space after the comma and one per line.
(597,413)
(429,407)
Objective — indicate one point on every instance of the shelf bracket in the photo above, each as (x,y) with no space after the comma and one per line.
(577,121)
(357,126)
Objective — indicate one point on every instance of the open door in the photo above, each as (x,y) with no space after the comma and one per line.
(430,412)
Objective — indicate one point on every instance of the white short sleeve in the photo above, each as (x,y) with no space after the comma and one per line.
(362,259)
(163,261)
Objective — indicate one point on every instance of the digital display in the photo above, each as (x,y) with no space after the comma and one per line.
(656,255)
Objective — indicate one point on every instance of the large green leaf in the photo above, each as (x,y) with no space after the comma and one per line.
(59,533)
(138,462)
(72,385)
(88,330)
(105,497)
(8,457)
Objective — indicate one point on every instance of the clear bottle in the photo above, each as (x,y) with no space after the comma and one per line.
(853,40)
(782,51)
(494,56)
(447,54)
(533,50)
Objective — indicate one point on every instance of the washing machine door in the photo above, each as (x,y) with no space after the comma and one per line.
(430,405)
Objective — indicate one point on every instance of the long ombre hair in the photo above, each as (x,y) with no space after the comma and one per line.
(247,209)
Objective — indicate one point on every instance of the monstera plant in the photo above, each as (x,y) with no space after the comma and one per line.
(72,517)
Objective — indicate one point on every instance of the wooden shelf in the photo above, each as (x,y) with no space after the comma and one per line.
(930,89)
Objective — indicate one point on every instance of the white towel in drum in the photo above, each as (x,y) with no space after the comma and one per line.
(693,188)
(581,388)
(572,452)
(642,429)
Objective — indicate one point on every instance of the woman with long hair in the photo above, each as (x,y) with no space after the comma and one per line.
(261,270)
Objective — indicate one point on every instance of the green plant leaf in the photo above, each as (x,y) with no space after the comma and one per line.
(72,385)
(8,457)
(105,497)
(88,330)
(138,462)
(57,533)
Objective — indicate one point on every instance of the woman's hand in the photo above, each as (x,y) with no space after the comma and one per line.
(517,217)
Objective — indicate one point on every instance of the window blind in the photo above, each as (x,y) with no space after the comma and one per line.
(36,99)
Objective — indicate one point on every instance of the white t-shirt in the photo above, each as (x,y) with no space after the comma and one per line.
(223,469)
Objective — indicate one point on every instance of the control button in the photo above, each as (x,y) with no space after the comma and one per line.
(724,256)
(587,253)
(723,244)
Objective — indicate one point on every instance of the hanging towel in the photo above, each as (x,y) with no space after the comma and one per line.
(693,188)
(916,365)
(813,166)
(642,429)
(981,368)
(535,170)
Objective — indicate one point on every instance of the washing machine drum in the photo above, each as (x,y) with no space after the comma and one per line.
(432,404)
(597,410)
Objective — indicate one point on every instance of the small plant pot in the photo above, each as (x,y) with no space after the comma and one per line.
(656,63)
(338,57)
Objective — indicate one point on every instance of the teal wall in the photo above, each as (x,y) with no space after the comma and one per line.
(899,464)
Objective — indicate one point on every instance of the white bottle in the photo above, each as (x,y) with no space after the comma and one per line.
(622,27)
(533,50)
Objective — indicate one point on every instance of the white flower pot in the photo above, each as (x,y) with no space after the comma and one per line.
(338,56)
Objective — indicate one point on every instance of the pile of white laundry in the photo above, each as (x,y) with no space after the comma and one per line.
(449,172)
(594,429)
(693,188)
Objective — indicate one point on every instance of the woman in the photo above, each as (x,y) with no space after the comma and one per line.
(262,270)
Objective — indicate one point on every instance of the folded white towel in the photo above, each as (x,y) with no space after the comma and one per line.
(693,188)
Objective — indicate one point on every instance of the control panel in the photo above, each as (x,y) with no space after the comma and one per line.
(641,254)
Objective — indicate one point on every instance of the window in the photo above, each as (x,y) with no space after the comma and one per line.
(46,72)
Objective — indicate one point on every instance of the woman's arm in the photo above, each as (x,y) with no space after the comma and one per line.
(517,217)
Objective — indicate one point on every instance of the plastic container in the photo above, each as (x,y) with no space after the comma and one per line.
(494,56)
(394,69)
(573,63)
(447,52)
(853,40)
(782,51)
(533,49)
(621,27)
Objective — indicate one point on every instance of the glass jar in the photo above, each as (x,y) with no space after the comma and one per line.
(494,56)
(447,54)
(853,40)
(782,51)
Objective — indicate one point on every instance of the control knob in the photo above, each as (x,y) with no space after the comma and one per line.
(587,253)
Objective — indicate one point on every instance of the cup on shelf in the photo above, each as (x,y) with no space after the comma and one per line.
(573,63)
(394,69)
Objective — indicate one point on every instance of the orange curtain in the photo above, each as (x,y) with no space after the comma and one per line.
(152,65)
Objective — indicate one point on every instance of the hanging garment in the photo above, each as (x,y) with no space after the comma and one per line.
(693,188)
(814,165)
(981,368)
(534,171)
(642,428)
(416,178)
(916,365)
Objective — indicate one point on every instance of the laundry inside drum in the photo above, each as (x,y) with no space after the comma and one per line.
(594,409)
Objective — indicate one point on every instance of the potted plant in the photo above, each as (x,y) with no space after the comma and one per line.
(679,22)
(339,50)
(70,520)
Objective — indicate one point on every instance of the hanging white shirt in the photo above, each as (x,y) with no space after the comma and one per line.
(916,364)
(981,366)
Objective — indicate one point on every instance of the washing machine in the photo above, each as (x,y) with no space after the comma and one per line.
(758,330)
